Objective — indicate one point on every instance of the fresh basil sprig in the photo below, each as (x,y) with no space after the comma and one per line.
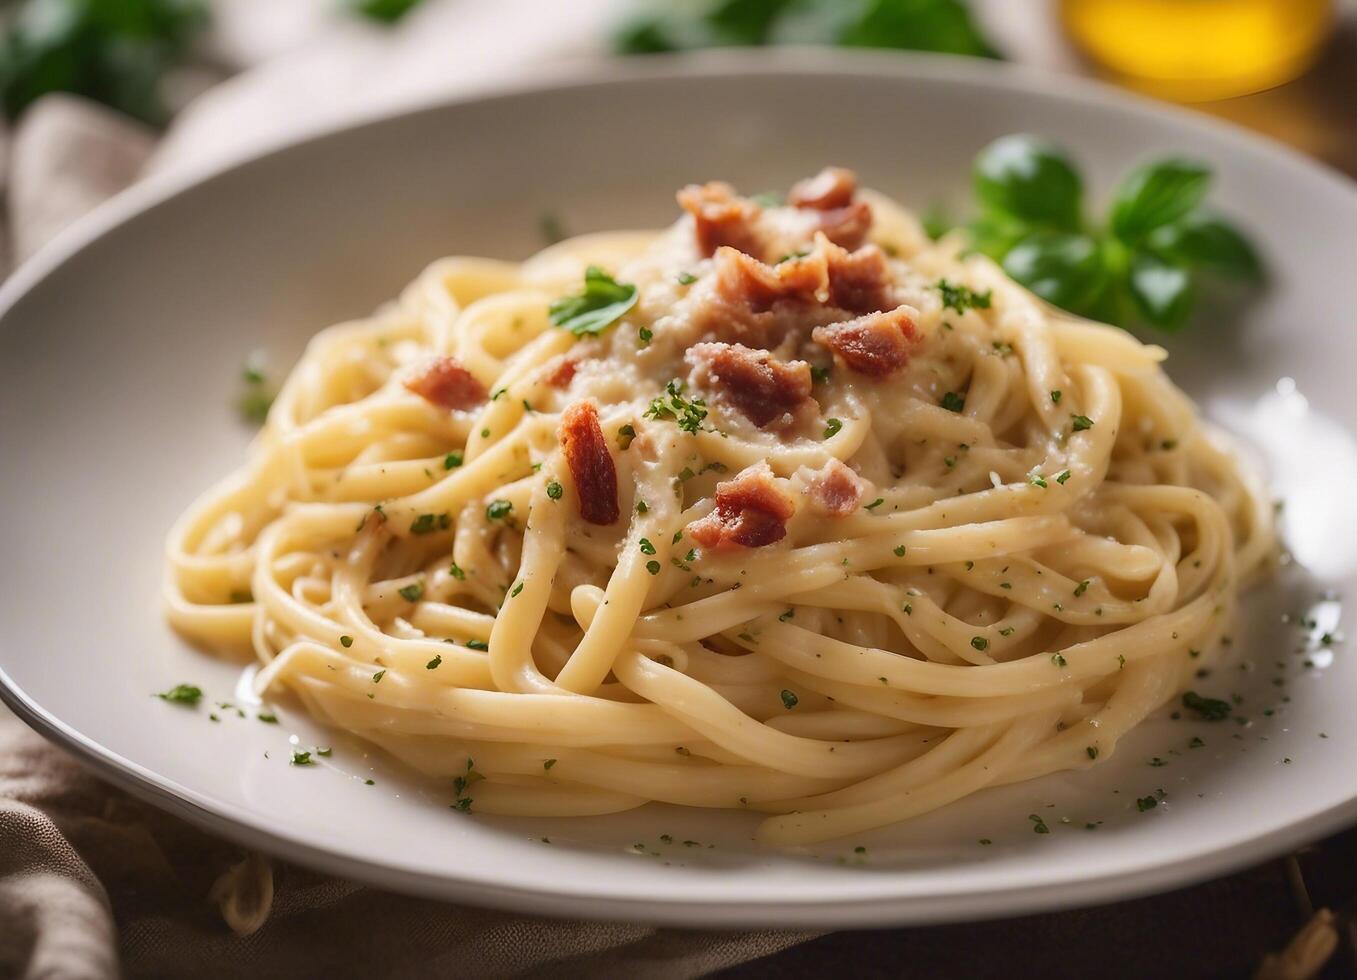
(917,25)
(1143,263)
(603,302)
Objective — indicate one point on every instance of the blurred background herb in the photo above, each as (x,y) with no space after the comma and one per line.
(385,11)
(1142,263)
(916,25)
(112,51)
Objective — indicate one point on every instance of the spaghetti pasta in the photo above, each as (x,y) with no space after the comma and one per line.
(786,508)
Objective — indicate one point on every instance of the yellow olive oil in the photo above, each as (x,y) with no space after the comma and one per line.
(1197,50)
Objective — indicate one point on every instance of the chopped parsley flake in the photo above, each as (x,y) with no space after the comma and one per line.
(412,592)
(789,700)
(300,758)
(1081,588)
(687,413)
(435,662)
(1038,825)
(876,503)
(457,572)
(452,460)
(346,641)
(1146,803)
(555,490)
(979,642)
(961,298)
(1055,397)
(1059,660)
(182,694)
(624,436)
(477,645)
(377,677)
(498,509)
(644,336)
(832,427)
(1037,480)
(513,593)
(653,567)
(1081,422)
(646,547)
(1061,478)
(1207,709)
(952,401)
(899,551)
(1092,751)
(547,764)
(686,278)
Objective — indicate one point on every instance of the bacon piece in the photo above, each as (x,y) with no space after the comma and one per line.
(832,187)
(560,372)
(834,489)
(591,466)
(750,512)
(765,390)
(859,282)
(445,383)
(721,217)
(877,344)
(847,226)
(843,220)
(757,286)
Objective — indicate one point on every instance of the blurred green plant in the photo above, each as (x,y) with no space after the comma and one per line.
(386,11)
(917,25)
(1144,263)
(113,51)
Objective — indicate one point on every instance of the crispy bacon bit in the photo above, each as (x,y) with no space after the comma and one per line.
(560,372)
(445,383)
(835,489)
(832,187)
(743,279)
(843,220)
(721,217)
(765,390)
(750,513)
(591,467)
(877,344)
(860,281)
(847,226)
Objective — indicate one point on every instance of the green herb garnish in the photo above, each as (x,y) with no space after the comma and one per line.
(1143,262)
(603,302)
(189,694)
(1208,709)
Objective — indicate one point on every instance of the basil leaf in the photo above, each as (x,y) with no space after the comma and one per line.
(1209,242)
(1157,194)
(1163,293)
(915,25)
(745,22)
(1063,269)
(995,234)
(385,11)
(603,302)
(1029,179)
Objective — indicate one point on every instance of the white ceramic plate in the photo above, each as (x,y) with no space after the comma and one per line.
(119,355)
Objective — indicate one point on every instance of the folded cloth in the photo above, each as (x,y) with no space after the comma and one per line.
(77,856)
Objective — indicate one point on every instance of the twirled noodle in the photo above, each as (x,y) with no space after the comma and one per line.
(1047,544)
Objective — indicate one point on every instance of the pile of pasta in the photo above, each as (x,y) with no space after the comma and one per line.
(785,509)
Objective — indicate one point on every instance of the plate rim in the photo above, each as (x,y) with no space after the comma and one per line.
(971,904)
